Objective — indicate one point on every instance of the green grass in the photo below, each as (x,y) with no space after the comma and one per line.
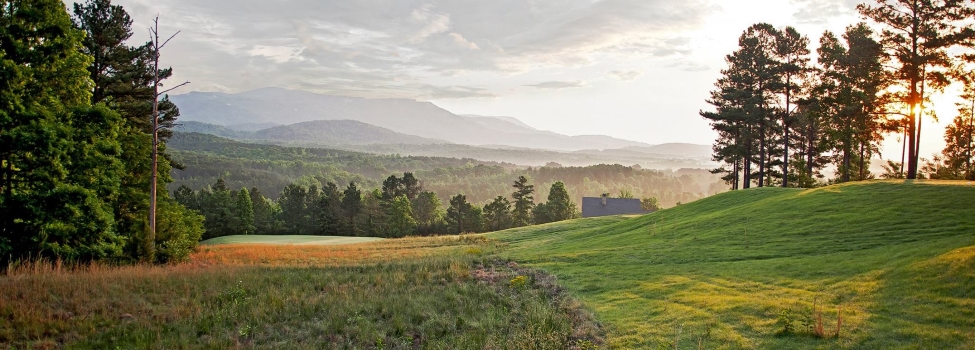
(287,239)
(897,257)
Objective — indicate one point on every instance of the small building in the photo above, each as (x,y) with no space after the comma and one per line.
(605,206)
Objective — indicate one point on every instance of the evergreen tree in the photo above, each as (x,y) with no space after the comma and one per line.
(263,213)
(497,214)
(541,214)
(391,188)
(917,36)
(559,206)
(244,213)
(329,211)
(459,215)
(411,186)
(959,151)
(352,206)
(123,78)
(745,115)
(851,79)
(428,211)
(524,202)
(374,211)
(292,202)
(793,52)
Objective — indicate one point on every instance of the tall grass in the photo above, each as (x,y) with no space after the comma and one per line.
(394,294)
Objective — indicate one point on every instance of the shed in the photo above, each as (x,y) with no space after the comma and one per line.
(605,206)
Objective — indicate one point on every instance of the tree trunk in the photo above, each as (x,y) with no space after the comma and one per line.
(761,157)
(862,175)
(150,245)
(810,151)
(785,124)
(747,172)
(971,142)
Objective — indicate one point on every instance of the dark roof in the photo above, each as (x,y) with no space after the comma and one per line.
(593,206)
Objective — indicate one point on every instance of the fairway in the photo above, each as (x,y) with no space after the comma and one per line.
(746,269)
(288,239)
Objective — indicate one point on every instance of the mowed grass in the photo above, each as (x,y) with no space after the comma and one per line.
(422,293)
(895,259)
(287,239)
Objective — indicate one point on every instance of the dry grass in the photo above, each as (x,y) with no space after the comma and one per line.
(412,293)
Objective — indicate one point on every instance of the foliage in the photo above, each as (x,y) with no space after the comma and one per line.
(917,37)
(60,168)
(650,204)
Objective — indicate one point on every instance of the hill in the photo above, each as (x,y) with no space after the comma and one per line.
(339,132)
(331,133)
(730,271)
(424,119)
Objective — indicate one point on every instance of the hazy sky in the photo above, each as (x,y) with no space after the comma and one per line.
(635,69)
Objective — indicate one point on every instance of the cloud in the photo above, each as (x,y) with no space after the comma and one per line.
(689,66)
(558,85)
(625,75)
(407,48)
(432,22)
(820,11)
(463,42)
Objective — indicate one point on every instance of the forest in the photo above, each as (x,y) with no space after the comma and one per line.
(81,123)
(786,121)
(207,158)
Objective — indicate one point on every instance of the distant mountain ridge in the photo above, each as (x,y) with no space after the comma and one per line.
(422,119)
(322,132)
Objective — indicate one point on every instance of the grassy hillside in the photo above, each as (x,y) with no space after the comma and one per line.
(895,259)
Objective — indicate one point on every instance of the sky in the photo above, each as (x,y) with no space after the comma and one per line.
(635,69)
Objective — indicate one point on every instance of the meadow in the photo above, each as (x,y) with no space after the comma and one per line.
(889,264)
(880,265)
(434,293)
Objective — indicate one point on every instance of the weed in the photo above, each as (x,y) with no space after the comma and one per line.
(518,282)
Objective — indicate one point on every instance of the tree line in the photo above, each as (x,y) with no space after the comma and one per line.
(400,207)
(782,120)
(272,168)
(76,138)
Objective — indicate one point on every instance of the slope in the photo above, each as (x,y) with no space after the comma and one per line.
(897,259)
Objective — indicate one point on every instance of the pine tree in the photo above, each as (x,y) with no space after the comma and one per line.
(292,202)
(917,36)
(560,206)
(263,214)
(851,80)
(459,215)
(428,211)
(352,206)
(244,213)
(497,214)
(524,202)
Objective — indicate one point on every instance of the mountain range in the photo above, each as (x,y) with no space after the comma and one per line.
(251,110)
